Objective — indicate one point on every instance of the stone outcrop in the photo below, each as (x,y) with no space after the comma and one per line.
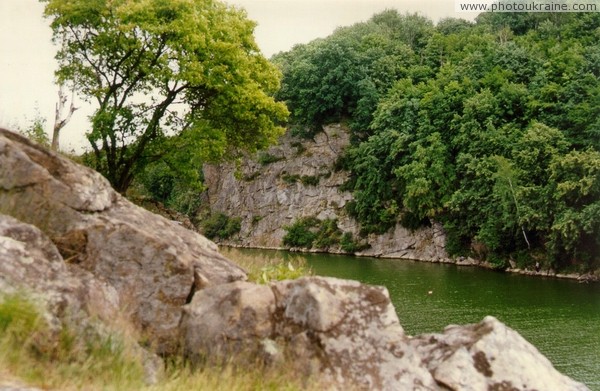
(342,330)
(268,197)
(89,257)
(154,264)
(30,262)
(349,334)
(488,356)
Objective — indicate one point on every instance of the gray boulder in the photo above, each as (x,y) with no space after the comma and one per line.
(488,356)
(348,334)
(29,262)
(344,331)
(154,264)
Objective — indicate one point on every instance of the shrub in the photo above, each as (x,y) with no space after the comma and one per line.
(265,158)
(328,234)
(300,234)
(300,148)
(349,245)
(221,226)
(309,180)
(289,178)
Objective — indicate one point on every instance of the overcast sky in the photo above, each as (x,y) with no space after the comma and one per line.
(26,52)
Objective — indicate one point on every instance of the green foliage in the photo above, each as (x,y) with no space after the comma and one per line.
(301,233)
(306,180)
(344,75)
(310,180)
(490,128)
(265,158)
(164,74)
(350,245)
(290,178)
(221,226)
(328,234)
(176,186)
(310,232)
(36,131)
(300,148)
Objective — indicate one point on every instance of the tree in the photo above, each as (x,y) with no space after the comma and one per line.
(158,70)
(60,119)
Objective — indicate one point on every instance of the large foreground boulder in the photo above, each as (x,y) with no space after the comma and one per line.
(154,264)
(349,334)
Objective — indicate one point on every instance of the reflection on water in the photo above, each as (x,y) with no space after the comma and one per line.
(560,317)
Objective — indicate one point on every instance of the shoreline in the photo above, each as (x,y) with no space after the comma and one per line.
(460,261)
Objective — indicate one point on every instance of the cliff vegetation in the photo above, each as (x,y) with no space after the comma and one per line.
(490,128)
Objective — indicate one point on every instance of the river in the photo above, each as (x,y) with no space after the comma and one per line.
(560,317)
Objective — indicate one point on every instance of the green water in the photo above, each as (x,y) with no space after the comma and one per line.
(560,317)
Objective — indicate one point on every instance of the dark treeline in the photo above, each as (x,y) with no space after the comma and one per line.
(491,128)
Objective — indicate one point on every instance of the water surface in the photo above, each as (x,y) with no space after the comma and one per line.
(560,317)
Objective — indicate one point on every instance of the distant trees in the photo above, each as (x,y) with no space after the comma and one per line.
(491,128)
(178,81)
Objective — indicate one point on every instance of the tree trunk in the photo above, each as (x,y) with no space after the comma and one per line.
(60,122)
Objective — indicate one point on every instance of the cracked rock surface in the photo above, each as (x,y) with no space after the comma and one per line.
(267,198)
(153,263)
(349,333)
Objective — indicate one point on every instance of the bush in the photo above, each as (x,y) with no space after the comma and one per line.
(310,232)
(328,234)
(265,158)
(309,180)
(221,226)
(289,178)
(300,234)
(349,245)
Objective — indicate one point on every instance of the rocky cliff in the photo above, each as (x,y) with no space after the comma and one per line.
(298,179)
(95,261)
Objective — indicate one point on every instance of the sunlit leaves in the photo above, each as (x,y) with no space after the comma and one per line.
(156,69)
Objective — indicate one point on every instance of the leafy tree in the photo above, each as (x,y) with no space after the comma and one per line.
(158,70)
(490,128)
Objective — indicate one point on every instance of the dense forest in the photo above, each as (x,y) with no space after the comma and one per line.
(491,128)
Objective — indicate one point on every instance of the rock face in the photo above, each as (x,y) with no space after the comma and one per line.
(270,196)
(349,334)
(30,262)
(154,264)
(487,356)
(343,330)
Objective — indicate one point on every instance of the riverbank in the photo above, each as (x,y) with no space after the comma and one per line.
(458,261)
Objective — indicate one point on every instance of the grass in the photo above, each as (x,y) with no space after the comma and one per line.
(32,354)
(265,268)
(35,354)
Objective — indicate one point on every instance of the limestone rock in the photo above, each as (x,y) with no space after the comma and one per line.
(343,330)
(30,262)
(267,197)
(489,356)
(227,317)
(154,264)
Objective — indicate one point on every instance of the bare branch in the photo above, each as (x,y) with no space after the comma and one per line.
(59,121)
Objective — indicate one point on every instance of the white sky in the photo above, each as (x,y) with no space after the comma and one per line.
(27,54)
